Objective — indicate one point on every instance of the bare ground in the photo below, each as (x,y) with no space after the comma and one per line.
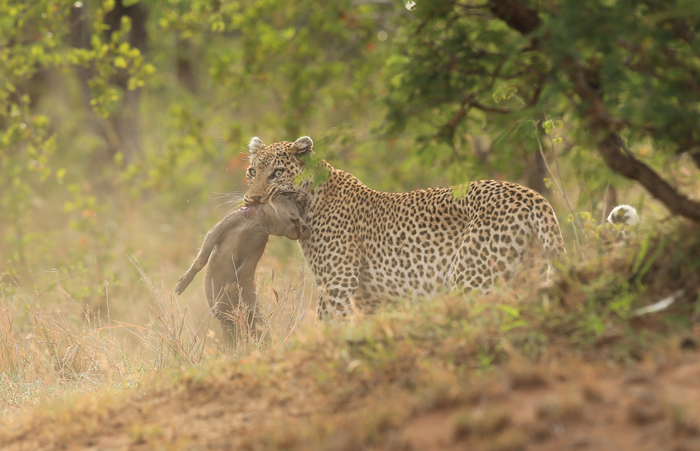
(563,403)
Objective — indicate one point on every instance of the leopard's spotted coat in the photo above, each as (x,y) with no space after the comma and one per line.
(367,246)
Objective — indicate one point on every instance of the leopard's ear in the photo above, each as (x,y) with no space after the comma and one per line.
(255,145)
(302,146)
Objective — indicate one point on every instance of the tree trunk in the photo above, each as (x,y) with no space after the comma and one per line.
(185,69)
(126,121)
(121,131)
(525,20)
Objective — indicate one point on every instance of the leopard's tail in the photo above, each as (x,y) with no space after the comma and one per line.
(544,222)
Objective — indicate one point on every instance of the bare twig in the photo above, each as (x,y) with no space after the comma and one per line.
(605,204)
(559,187)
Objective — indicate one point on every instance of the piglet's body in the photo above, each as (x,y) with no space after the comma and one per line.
(232,249)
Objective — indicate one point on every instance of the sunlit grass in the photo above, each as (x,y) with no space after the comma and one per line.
(44,351)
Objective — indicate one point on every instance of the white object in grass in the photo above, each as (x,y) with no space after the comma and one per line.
(658,306)
(624,214)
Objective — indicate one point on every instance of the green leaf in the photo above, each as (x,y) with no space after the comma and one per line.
(218,26)
(512,311)
(120,62)
(60,175)
(460,191)
(547,126)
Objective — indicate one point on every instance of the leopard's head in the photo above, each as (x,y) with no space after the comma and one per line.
(274,169)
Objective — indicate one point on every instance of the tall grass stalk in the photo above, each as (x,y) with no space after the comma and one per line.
(46,350)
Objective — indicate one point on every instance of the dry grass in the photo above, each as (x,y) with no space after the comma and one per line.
(282,304)
(516,369)
(43,351)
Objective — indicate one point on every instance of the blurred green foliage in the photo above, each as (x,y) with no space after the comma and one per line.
(103,104)
(607,68)
(189,82)
(32,43)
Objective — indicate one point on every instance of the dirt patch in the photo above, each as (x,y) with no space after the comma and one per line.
(652,407)
(563,404)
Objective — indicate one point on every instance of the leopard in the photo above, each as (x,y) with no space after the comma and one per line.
(367,248)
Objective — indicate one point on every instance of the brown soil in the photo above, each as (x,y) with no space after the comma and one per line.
(292,404)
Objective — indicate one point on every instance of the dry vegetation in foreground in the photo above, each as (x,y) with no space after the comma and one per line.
(544,369)
(47,351)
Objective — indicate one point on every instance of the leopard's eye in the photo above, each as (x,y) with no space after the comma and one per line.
(278,173)
(251,172)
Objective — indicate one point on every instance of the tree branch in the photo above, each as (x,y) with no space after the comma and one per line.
(616,156)
(489,109)
(604,129)
(624,163)
(517,16)
(696,157)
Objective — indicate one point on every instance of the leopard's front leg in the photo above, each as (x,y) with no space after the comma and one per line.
(337,275)
(334,296)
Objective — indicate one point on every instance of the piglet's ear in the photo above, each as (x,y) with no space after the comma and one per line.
(302,146)
(255,145)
